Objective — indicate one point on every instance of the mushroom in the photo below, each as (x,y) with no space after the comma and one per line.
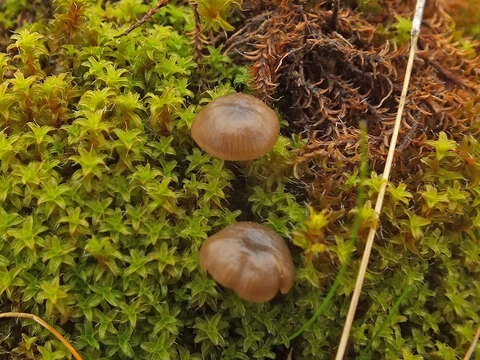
(250,259)
(236,127)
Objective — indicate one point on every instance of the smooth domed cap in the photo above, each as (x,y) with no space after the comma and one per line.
(250,259)
(236,127)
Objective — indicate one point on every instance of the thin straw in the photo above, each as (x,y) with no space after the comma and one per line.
(55,333)
(417,20)
(471,349)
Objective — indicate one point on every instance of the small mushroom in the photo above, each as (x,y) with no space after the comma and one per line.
(250,259)
(236,127)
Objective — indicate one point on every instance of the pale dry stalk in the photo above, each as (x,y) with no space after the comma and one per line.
(144,19)
(471,349)
(55,333)
(417,20)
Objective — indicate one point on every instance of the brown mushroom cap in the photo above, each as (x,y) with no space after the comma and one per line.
(236,127)
(250,259)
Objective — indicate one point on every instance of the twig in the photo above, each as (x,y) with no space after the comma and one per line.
(417,20)
(334,18)
(59,336)
(144,19)
(197,32)
(471,349)
(409,137)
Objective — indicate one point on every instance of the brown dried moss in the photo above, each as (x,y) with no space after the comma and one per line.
(466,14)
(327,72)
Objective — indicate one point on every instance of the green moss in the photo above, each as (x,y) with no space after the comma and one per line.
(105,201)
(372,7)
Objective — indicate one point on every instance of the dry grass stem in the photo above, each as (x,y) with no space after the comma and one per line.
(144,19)
(59,336)
(386,174)
(471,349)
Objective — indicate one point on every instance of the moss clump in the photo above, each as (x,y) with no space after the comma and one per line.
(329,70)
(465,15)
(105,201)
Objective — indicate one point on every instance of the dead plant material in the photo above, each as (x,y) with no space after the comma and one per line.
(471,349)
(42,322)
(329,68)
(290,354)
(198,39)
(144,19)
